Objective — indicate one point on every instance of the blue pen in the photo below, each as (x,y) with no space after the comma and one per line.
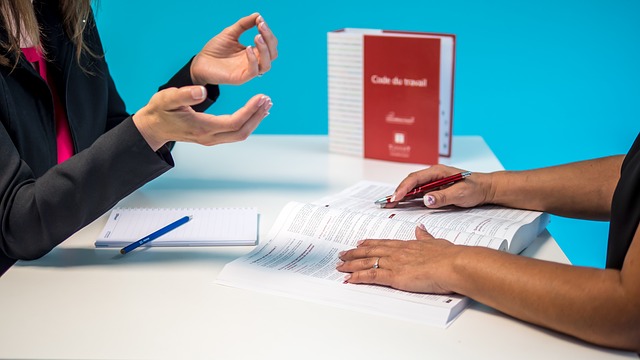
(155,234)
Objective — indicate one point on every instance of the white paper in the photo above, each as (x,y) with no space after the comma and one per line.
(208,227)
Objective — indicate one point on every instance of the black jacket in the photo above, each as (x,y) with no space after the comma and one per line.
(42,203)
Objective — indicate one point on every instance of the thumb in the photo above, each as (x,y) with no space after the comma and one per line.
(175,98)
(422,233)
(242,25)
(436,199)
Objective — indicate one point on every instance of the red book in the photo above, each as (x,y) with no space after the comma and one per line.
(391,94)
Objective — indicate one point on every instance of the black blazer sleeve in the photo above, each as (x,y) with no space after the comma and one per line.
(39,213)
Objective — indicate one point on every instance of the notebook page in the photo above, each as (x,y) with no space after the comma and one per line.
(208,227)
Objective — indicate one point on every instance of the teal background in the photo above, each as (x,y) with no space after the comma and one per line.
(543,82)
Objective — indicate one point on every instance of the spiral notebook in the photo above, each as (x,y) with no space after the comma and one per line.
(208,227)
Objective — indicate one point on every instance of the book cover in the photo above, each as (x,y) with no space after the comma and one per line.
(391,94)
(401,96)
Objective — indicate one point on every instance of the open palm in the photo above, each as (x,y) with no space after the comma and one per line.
(224,60)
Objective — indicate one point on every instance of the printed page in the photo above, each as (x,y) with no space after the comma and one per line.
(299,256)
(490,220)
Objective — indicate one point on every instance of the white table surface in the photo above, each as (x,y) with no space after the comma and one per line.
(79,302)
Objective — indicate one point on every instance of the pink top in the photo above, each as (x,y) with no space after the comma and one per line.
(63,133)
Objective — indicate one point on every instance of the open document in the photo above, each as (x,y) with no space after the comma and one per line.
(298,257)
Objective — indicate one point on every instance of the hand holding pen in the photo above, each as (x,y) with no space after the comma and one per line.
(422,189)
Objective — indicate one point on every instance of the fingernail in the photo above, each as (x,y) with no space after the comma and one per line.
(263,26)
(429,200)
(249,50)
(260,39)
(262,100)
(346,278)
(341,253)
(259,19)
(393,198)
(421,226)
(269,105)
(198,93)
(339,263)
(359,242)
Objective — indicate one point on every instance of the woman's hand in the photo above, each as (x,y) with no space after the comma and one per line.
(224,60)
(475,190)
(421,265)
(169,117)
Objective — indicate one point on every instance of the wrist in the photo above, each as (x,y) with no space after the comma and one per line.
(461,272)
(144,122)
(491,187)
(194,71)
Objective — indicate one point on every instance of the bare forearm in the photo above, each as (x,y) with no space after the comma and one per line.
(582,189)
(590,304)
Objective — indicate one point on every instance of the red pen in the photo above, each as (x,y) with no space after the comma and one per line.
(429,186)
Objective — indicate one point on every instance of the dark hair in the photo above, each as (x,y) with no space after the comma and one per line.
(19,20)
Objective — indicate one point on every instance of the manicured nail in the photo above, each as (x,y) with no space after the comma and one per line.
(249,49)
(429,200)
(393,198)
(341,253)
(421,226)
(260,39)
(262,100)
(259,19)
(359,242)
(264,26)
(198,93)
(346,278)
(269,105)
(339,263)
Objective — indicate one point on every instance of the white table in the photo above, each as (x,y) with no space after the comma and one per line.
(82,302)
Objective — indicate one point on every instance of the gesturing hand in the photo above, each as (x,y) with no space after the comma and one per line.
(224,60)
(169,117)
(420,265)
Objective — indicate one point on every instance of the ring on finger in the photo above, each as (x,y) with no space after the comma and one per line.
(376,264)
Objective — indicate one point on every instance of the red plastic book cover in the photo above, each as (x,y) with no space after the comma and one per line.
(401,98)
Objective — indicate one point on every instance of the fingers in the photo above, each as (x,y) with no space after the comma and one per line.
(370,276)
(266,46)
(175,98)
(151,119)
(371,248)
(264,59)
(169,117)
(267,37)
(253,67)
(422,233)
(243,122)
(242,25)
(370,270)
(360,264)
